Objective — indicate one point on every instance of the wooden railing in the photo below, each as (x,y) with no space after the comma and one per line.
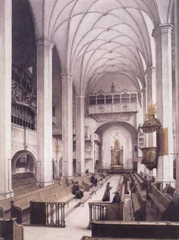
(105,211)
(47,213)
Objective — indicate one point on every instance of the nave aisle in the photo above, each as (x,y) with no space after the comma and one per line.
(76,222)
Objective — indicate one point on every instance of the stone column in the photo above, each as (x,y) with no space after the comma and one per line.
(162,36)
(5,97)
(44,111)
(176,24)
(80,133)
(67,125)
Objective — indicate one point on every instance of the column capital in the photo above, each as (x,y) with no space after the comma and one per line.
(45,41)
(149,70)
(163,28)
(80,95)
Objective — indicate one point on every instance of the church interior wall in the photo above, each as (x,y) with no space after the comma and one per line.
(125,139)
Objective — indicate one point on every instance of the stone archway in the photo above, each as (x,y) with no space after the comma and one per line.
(24,161)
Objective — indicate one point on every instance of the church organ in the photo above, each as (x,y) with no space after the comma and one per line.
(23,100)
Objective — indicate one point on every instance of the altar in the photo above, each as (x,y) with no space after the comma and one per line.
(116,155)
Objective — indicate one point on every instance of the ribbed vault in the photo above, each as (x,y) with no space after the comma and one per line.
(99,37)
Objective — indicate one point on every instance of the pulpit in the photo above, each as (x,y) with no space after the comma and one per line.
(116,155)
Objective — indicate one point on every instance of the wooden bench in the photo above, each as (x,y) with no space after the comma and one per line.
(165,207)
(142,182)
(20,207)
(135,230)
(168,191)
(138,204)
(87,184)
(10,230)
(84,199)
(64,195)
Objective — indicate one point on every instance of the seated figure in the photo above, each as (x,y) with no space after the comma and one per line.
(94,180)
(76,190)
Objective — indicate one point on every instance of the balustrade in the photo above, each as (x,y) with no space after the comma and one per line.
(48,213)
(100,211)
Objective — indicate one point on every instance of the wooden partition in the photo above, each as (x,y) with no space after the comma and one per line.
(47,214)
(10,230)
(135,230)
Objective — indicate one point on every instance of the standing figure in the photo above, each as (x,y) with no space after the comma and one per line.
(106,196)
(116,198)
(76,190)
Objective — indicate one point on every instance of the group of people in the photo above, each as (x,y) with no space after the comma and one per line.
(106,196)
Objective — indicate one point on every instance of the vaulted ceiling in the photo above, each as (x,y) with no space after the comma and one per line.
(99,37)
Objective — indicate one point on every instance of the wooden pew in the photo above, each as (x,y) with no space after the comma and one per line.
(135,230)
(5,205)
(20,207)
(165,207)
(64,195)
(87,184)
(138,204)
(142,182)
(10,230)
(168,191)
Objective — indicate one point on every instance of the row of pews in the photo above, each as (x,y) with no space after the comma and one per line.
(143,192)
(19,206)
(107,221)
(23,183)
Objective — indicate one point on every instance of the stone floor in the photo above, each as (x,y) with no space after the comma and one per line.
(76,221)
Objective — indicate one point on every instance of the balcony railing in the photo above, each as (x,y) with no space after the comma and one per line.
(113,102)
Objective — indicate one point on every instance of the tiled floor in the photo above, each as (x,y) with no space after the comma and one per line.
(76,222)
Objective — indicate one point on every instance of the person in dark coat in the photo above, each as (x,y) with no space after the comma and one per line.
(76,190)
(106,196)
(94,180)
(116,198)
(87,171)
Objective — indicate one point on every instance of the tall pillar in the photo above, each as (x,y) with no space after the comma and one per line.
(176,24)
(5,97)
(162,36)
(44,111)
(144,104)
(80,133)
(67,125)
